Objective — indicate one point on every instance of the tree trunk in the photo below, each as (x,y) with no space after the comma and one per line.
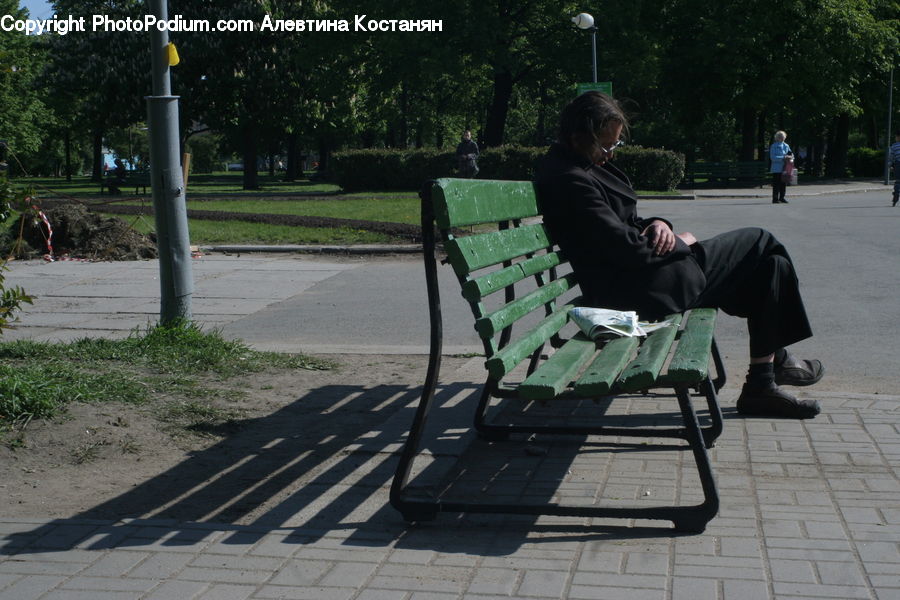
(390,136)
(97,172)
(748,134)
(496,118)
(540,133)
(817,161)
(324,152)
(292,170)
(837,150)
(248,146)
(761,138)
(404,117)
(67,140)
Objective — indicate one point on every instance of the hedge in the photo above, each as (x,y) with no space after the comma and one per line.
(390,169)
(865,162)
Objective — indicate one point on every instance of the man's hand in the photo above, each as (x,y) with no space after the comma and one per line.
(661,237)
(688,238)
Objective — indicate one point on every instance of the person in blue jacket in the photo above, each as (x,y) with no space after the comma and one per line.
(778,151)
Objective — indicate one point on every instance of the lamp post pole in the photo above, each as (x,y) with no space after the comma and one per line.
(586,22)
(175,270)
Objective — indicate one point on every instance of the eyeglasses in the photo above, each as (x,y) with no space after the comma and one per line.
(612,148)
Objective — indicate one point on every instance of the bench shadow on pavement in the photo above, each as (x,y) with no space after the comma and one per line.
(321,466)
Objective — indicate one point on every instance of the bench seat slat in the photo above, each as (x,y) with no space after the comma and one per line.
(599,378)
(690,361)
(461,202)
(491,324)
(479,287)
(505,360)
(559,370)
(480,250)
(644,369)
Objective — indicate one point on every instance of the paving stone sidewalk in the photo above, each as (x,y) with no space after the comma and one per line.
(809,510)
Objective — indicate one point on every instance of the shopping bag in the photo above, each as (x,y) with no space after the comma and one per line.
(789,173)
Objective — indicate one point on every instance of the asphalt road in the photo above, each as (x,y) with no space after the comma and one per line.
(845,247)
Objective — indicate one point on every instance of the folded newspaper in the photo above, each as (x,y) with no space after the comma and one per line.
(605,322)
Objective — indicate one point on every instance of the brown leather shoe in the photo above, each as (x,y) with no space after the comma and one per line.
(775,402)
(795,371)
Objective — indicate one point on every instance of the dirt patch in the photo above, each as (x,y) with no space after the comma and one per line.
(79,233)
(114,461)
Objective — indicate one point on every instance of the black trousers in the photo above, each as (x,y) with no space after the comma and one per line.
(779,188)
(749,274)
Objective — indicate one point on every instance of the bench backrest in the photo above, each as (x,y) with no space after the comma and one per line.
(515,249)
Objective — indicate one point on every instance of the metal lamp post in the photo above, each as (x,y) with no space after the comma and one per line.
(586,22)
(175,270)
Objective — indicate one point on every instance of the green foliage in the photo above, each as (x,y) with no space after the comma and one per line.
(865,162)
(11,298)
(710,79)
(387,169)
(515,163)
(23,114)
(651,168)
(183,349)
(204,149)
(34,391)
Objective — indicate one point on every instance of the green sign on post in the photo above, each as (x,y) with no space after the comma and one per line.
(597,86)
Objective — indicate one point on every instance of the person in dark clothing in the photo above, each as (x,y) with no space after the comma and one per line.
(467,156)
(117,177)
(626,262)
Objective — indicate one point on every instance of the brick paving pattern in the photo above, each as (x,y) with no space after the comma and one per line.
(809,510)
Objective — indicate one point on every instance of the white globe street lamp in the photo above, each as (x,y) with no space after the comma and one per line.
(586,21)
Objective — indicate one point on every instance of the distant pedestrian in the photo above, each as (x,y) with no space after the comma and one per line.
(895,161)
(778,153)
(467,156)
(116,178)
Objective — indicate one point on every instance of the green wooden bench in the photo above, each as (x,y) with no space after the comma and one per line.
(516,254)
(139,180)
(726,172)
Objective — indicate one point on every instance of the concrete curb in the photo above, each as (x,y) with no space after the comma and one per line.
(308,249)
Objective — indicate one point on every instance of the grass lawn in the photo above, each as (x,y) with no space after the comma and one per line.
(38,379)
(240,232)
(396,207)
(222,192)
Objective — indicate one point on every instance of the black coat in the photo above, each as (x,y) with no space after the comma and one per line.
(591,212)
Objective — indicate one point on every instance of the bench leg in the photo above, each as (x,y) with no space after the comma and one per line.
(694,520)
(711,433)
(720,379)
(486,431)
(422,510)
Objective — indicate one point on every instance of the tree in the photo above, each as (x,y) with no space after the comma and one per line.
(23,115)
(103,76)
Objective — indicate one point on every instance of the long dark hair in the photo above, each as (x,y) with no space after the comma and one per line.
(586,117)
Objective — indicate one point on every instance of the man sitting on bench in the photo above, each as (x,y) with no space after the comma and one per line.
(625,262)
